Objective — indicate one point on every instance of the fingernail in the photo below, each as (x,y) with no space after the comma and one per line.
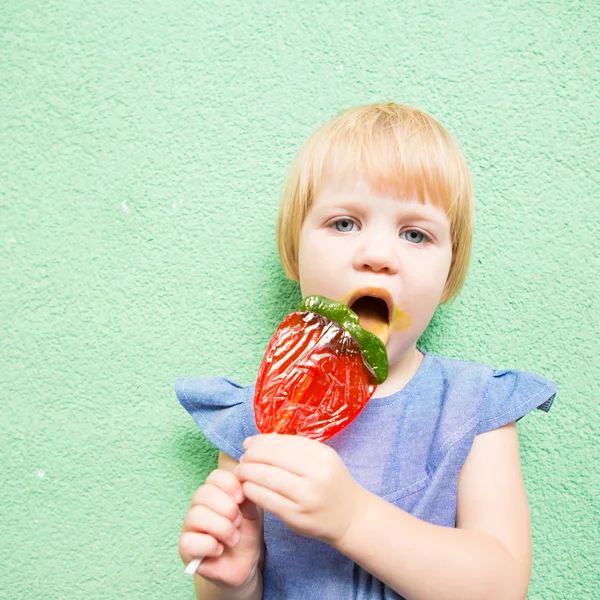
(238,520)
(239,497)
(220,549)
(236,538)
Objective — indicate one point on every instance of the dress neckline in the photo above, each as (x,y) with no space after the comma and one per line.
(409,388)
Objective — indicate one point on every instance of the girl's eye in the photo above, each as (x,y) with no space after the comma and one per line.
(415,236)
(344,225)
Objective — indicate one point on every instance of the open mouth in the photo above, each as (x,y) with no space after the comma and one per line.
(374,311)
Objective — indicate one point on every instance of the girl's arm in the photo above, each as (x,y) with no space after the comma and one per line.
(488,555)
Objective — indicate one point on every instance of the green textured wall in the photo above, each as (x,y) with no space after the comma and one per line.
(142,150)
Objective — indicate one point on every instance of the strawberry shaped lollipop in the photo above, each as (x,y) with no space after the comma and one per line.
(319,371)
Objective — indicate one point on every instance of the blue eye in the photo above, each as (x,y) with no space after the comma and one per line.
(415,236)
(344,225)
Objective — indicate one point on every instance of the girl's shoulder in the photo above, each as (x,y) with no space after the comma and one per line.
(222,409)
(501,396)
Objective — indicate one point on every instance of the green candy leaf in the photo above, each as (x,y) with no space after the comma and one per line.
(372,347)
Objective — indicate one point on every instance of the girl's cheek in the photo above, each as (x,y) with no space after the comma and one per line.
(421,309)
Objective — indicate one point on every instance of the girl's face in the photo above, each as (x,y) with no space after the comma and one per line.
(357,243)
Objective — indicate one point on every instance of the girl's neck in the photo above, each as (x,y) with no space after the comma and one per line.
(400,373)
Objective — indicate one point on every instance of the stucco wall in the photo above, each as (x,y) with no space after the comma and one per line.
(142,150)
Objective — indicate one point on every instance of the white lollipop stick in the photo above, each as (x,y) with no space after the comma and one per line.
(192,566)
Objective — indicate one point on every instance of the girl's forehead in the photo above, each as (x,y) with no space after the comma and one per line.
(357,187)
(410,172)
(347,182)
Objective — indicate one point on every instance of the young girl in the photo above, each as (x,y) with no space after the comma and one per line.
(421,496)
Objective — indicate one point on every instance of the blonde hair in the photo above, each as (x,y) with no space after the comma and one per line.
(401,151)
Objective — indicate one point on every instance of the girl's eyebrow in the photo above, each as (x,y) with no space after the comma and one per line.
(410,210)
(432,216)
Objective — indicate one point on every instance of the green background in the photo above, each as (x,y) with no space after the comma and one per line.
(143,149)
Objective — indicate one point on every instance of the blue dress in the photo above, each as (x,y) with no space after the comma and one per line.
(423,435)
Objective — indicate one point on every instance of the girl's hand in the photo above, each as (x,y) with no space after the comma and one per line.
(303,482)
(223,528)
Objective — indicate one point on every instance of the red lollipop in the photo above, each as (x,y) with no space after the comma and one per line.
(319,371)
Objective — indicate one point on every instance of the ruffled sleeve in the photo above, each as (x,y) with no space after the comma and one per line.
(511,395)
(221,408)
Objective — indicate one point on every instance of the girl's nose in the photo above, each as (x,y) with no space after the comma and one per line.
(377,256)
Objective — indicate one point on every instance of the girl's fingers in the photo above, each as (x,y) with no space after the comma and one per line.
(228,482)
(201,519)
(273,478)
(198,545)
(290,452)
(269,500)
(218,501)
